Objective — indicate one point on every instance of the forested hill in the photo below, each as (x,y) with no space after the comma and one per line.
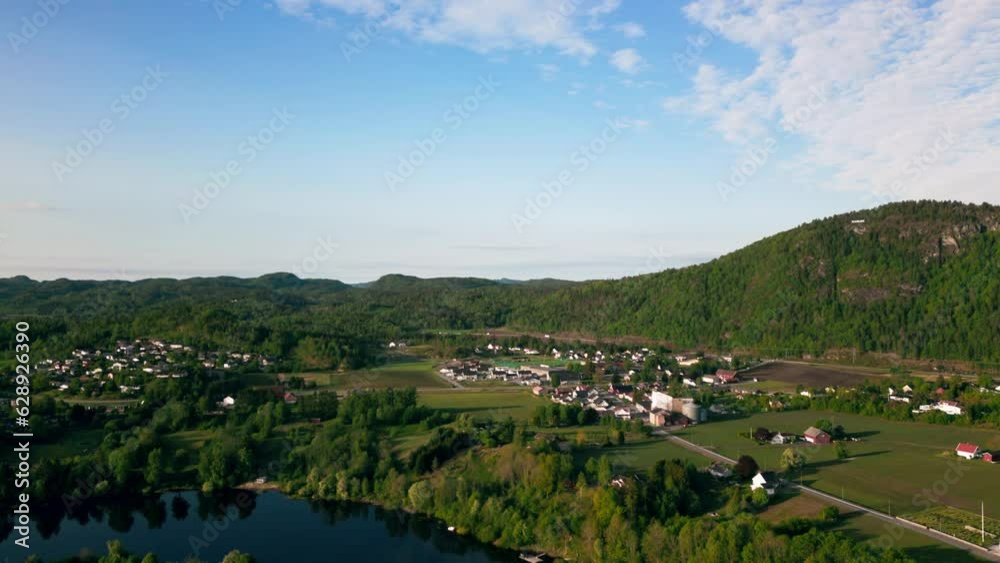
(915,278)
(918,279)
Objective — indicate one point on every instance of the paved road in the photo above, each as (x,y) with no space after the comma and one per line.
(938,536)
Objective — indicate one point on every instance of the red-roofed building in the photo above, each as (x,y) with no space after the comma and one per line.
(816,436)
(726,376)
(988,457)
(968,451)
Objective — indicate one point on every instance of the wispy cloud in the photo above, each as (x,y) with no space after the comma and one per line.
(631,30)
(909,91)
(628,61)
(480,25)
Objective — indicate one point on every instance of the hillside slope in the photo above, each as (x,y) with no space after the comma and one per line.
(915,278)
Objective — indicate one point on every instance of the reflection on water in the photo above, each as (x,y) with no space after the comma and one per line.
(269,526)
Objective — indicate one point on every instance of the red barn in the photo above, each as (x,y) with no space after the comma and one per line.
(726,376)
(988,457)
(816,436)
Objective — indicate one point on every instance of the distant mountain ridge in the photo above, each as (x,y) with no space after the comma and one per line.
(914,278)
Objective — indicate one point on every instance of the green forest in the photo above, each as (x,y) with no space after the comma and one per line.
(917,279)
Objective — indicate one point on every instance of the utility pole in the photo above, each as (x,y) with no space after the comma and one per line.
(982,508)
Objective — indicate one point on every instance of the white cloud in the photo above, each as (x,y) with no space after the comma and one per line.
(628,61)
(631,30)
(480,25)
(601,104)
(888,97)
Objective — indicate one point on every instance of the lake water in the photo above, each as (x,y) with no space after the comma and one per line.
(270,526)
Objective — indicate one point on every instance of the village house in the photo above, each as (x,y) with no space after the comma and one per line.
(814,435)
(726,376)
(950,408)
(658,417)
(967,451)
(781,439)
(720,471)
(766,480)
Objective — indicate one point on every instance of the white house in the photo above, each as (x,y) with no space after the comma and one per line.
(767,482)
(661,401)
(228,402)
(968,451)
(949,408)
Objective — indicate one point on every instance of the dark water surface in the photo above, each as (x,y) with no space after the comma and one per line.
(270,526)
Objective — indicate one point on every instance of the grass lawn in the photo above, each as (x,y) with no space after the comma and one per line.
(74,442)
(402,373)
(638,454)
(191,440)
(405,439)
(862,527)
(517,402)
(897,461)
(104,403)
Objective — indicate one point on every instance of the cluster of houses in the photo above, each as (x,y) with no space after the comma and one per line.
(905,395)
(611,400)
(766,480)
(474,370)
(128,364)
(812,435)
(498,349)
(972,451)
(620,401)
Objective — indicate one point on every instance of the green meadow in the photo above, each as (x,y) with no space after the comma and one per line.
(906,464)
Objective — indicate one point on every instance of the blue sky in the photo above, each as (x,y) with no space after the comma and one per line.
(573,138)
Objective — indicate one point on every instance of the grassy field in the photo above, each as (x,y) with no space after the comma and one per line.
(864,527)
(517,402)
(912,465)
(636,455)
(75,442)
(400,373)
